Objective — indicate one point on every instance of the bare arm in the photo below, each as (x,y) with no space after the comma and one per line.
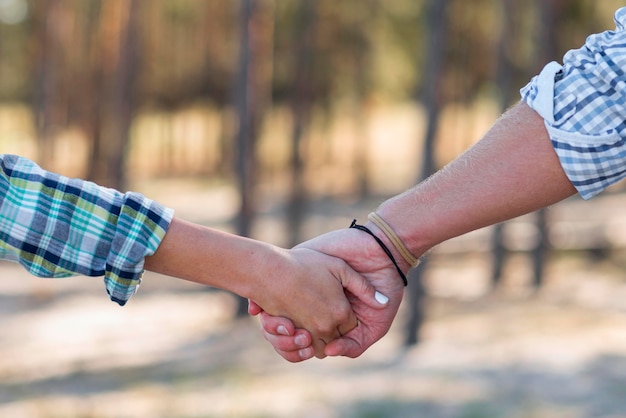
(215,258)
(274,277)
(512,171)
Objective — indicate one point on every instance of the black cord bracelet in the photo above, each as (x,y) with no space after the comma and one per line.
(383,246)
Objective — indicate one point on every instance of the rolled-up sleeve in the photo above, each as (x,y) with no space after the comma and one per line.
(583,104)
(56,226)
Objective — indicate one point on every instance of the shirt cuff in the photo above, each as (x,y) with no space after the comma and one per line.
(141,226)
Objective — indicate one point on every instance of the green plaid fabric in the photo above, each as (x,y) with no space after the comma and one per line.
(58,227)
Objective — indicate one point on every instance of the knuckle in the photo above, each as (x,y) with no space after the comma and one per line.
(326,330)
(342,312)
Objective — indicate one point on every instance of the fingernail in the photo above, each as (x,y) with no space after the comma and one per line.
(380,298)
(301,340)
(282,330)
(306,353)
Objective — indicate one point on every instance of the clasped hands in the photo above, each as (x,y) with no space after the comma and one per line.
(348,302)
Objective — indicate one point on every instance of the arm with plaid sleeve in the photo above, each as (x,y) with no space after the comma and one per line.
(57,227)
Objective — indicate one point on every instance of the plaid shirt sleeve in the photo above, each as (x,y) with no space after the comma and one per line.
(583,103)
(58,227)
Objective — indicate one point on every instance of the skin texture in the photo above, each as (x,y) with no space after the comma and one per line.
(272,276)
(511,171)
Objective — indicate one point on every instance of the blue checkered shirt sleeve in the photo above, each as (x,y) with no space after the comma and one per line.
(58,227)
(583,103)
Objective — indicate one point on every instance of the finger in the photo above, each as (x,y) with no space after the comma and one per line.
(348,326)
(297,356)
(346,322)
(293,345)
(289,343)
(361,288)
(344,346)
(277,325)
(319,346)
(293,348)
(254,308)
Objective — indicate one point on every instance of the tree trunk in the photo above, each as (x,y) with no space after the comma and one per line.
(547,19)
(252,92)
(120,54)
(433,64)
(301,108)
(503,80)
(48,73)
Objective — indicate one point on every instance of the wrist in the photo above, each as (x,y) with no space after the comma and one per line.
(256,278)
(410,224)
(380,234)
(383,247)
(398,244)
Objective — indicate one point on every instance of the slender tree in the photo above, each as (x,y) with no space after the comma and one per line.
(547,49)
(251,98)
(119,43)
(435,50)
(503,81)
(50,19)
(545,45)
(301,109)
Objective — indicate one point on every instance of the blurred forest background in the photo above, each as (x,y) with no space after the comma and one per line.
(294,116)
(260,91)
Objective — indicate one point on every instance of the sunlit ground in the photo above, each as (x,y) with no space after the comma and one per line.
(176,351)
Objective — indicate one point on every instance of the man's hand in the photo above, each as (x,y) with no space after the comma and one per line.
(366,257)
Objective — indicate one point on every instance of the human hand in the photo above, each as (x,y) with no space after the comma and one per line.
(365,256)
(311,294)
(293,344)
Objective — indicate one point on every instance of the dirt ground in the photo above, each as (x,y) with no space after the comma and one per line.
(176,351)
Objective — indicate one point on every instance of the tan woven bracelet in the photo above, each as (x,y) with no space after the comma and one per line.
(394,238)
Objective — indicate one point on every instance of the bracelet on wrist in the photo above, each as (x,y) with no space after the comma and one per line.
(394,238)
(383,246)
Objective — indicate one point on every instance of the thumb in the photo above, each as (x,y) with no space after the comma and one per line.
(254,308)
(344,346)
(361,288)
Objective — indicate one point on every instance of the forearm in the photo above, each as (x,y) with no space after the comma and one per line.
(304,285)
(512,171)
(214,258)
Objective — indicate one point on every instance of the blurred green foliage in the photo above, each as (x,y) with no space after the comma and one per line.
(189,47)
(96,66)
